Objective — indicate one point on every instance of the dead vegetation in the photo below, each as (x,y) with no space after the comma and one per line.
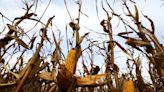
(37,74)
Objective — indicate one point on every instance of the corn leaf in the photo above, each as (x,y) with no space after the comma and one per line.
(136,14)
(20,42)
(46,76)
(92,80)
(136,42)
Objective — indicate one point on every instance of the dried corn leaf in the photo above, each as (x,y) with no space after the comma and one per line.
(132,41)
(152,23)
(44,34)
(7,84)
(54,39)
(26,16)
(130,14)
(7,38)
(14,74)
(56,56)
(122,48)
(20,42)
(82,37)
(32,42)
(92,80)
(124,33)
(46,76)
(85,67)
(128,86)
(136,14)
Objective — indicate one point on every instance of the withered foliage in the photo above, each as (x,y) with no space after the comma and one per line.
(48,70)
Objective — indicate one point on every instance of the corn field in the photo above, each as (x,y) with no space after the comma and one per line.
(41,64)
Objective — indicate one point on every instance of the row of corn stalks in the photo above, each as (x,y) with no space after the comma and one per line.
(49,70)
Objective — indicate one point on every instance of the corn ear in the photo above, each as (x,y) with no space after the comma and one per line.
(128,86)
(70,60)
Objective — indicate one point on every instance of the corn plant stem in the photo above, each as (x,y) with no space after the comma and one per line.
(77,31)
(29,66)
(35,57)
(112,54)
(77,36)
(77,49)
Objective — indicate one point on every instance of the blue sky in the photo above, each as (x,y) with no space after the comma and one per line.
(152,8)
